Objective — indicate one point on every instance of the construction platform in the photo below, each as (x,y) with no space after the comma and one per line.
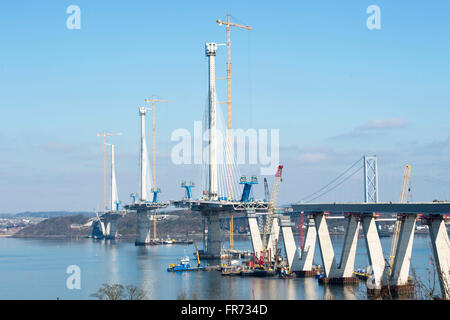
(339,281)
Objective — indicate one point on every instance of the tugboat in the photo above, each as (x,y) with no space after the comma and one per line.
(185,265)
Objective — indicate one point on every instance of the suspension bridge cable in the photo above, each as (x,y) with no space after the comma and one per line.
(351,175)
(334,180)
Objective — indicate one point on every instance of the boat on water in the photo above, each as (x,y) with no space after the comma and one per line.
(184,264)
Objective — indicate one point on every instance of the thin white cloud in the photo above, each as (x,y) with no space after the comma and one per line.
(380,124)
(311,157)
(375,127)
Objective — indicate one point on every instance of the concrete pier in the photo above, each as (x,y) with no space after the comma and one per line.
(344,272)
(255,234)
(325,245)
(375,251)
(214,240)
(303,259)
(402,261)
(288,239)
(441,251)
(143,228)
(111,227)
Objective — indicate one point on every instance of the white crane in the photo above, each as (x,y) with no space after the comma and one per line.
(271,209)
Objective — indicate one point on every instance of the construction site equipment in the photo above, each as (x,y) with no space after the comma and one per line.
(266,190)
(270,211)
(188,189)
(403,196)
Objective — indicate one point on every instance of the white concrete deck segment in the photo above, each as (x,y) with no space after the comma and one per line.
(406,208)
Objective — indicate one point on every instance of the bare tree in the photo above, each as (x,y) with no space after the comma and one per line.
(135,293)
(118,292)
(109,292)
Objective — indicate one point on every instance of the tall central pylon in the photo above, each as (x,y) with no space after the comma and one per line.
(144,156)
(211,51)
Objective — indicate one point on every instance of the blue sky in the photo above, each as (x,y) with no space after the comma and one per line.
(334,88)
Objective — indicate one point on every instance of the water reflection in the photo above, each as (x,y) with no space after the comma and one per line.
(35,269)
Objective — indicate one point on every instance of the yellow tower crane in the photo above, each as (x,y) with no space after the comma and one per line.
(228,25)
(398,222)
(153,100)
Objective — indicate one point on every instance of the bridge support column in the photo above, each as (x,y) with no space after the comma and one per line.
(325,245)
(143,228)
(214,241)
(111,227)
(441,252)
(402,260)
(288,239)
(302,264)
(273,238)
(255,235)
(347,263)
(374,250)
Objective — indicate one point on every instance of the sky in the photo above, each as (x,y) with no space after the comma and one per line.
(335,89)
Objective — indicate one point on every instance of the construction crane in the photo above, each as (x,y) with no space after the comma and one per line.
(228,25)
(403,195)
(196,251)
(266,190)
(155,190)
(104,135)
(271,209)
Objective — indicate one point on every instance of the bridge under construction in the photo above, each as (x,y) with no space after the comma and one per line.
(226,192)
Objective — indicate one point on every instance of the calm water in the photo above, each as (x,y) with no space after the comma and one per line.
(36,269)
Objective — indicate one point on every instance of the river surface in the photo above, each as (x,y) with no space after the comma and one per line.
(36,269)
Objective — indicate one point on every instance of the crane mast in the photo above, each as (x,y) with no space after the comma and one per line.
(403,195)
(228,25)
(271,209)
